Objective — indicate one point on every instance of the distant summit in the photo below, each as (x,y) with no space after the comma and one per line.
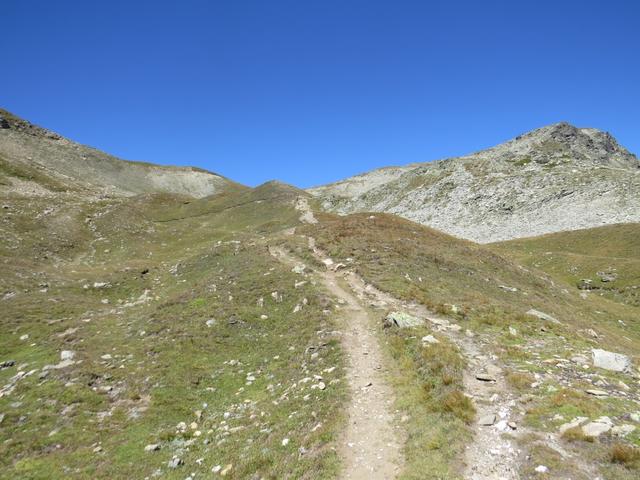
(555,178)
(561,141)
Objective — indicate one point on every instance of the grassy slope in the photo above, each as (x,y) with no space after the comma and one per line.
(144,368)
(571,257)
(418,263)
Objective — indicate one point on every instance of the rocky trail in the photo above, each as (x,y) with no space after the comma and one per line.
(492,455)
(370,446)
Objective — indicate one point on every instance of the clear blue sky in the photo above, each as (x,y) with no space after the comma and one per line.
(313,91)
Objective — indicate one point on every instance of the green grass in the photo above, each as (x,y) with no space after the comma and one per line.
(463,280)
(164,365)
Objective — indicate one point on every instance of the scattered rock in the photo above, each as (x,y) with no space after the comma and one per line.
(401,320)
(430,339)
(543,316)
(576,422)
(299,269)
(485,377)
(487,420)
(607,276)
(175,462)
(597,427)
(597,393)
(226,470)
(615,362)
(67,355)
(153,447)
(541,469)
(622,430)
(7,364)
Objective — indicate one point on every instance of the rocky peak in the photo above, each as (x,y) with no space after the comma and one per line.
(563,142)
(9,121)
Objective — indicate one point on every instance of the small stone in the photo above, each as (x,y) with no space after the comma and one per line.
(210,323)
(24,337)
(226,470)
(622,430)
(513,332)
(175,462)
(597,427)
(285,442)
(430,339)
(216,469)
(487,420)
(541,469)
(597,393)
(152,447)
(485,377)
(98,449)
(543,316)
(67,355)
(576,422)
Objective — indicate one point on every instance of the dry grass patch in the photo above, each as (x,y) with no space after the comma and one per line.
(626,455)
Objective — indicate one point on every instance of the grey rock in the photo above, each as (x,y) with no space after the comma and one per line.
(67,355)
(401,320)
(175,462)
(430,339)
(607,276)
(7,364)
(485,377)
(597,393)
(543,316)
(615,362)
(597,427)
(487,420)
(576,422)
(622,430)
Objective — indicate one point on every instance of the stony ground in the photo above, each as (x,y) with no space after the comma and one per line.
(250,335)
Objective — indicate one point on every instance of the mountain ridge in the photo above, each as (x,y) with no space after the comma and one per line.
(78,166)
(516,189)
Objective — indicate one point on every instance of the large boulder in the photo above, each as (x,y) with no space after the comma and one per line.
(615,362)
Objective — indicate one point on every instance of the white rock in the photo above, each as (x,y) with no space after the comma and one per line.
(615,362)
(67,355)
(576,422)
(597,427)
(541,469)
(285,442)
(430,339)
(622,430)
(543,316)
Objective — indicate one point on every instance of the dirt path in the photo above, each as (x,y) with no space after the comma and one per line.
(370,446)
(493,454)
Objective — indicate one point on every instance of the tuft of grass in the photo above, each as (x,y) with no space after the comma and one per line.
(520,380)
(576,434)
(626,455)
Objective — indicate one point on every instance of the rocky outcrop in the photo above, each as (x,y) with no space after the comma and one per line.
(552,179)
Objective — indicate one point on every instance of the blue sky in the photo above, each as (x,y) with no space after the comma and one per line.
(313,91)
